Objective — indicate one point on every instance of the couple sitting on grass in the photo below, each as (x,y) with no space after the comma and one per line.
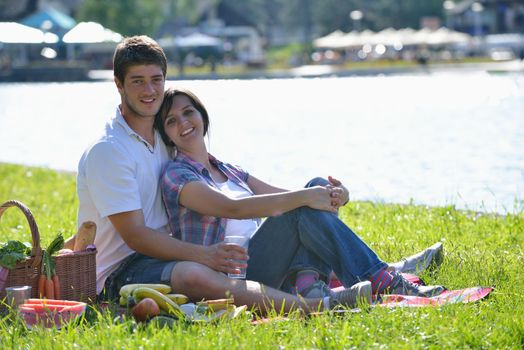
(163,219)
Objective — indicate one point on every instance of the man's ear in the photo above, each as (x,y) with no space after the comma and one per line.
(118,84)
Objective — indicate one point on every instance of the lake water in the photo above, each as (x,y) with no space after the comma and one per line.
(436,139)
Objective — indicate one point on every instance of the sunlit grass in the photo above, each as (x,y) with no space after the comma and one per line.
(480,249)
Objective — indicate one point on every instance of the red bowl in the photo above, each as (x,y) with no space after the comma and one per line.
(50,315)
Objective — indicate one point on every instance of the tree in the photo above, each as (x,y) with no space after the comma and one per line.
(128,17)
(321,16)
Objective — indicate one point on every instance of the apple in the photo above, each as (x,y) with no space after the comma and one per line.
(145,309)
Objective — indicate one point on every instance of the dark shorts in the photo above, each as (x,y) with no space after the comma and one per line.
(137,268)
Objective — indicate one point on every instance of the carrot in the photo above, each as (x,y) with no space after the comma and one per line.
(56,284)
(41,285)
(49,288)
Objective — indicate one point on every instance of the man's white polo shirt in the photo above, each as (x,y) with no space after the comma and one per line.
(120,172)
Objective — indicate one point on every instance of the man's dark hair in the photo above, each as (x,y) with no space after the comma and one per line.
(137,50)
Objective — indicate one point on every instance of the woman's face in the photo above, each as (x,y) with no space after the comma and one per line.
(183,123)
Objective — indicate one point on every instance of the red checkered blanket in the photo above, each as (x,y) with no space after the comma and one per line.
(466,295)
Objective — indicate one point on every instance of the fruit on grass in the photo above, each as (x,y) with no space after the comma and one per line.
(163,301)
(52,301)
(163,321)
(145,309)
(178,298)
(50,312)
(128,289)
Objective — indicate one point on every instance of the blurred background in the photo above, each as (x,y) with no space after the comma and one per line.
(257,37)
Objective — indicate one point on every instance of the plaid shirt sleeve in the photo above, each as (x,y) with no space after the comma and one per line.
(174,179)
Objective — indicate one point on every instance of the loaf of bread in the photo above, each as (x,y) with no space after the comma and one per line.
(85,235)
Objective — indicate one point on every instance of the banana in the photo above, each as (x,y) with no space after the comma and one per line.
(128,289)
(178,298)
(163,301)
(127,302)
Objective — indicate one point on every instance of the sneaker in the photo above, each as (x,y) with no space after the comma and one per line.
(319,289)
(350,297)
(354,296)
(428,258)
(402,286)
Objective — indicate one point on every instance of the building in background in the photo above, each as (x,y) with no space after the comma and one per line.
(482,17)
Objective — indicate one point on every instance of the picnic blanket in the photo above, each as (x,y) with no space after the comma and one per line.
(466,295)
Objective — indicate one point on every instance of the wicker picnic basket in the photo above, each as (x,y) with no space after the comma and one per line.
(77,271)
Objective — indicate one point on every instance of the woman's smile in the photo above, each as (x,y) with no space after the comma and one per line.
(187,131)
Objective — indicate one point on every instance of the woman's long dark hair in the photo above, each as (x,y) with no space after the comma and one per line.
(169,97)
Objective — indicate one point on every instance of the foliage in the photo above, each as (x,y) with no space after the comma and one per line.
(128,17)
(305,16)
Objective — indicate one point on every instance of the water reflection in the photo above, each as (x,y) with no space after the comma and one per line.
(437,139)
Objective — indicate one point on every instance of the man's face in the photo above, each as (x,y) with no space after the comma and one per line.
(142,92)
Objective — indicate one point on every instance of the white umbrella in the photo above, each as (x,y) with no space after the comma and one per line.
(191,41)
(387,37)
(196,40)
(91,32)
(330,41)
(12,32)
(350,40)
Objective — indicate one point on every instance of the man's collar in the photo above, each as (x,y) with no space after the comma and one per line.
(120,120)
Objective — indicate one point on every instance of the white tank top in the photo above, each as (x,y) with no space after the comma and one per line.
(236,227)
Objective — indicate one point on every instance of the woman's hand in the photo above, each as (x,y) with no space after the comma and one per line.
(321,198)
(341,195)
(225,257)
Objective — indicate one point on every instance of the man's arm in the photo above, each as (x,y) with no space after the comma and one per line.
(142,239)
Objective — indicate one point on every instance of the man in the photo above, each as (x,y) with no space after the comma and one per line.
(118,189)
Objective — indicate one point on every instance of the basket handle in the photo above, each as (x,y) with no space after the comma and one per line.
(36,250)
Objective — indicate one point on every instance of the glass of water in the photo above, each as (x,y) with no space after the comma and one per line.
(243,242)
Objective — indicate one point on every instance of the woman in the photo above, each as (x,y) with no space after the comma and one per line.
(295,248)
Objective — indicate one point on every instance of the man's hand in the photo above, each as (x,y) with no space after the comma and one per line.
(341,195)
(225,257)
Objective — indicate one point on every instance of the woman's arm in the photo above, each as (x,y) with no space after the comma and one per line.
(206,200)
(339,194)
(261,187)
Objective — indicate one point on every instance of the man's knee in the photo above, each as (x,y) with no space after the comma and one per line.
(190,275)
(317,181)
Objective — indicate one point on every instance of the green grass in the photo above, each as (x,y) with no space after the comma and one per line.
(480,249)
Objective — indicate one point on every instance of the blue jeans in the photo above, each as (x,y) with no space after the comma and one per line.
(137,268)
(307,238)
